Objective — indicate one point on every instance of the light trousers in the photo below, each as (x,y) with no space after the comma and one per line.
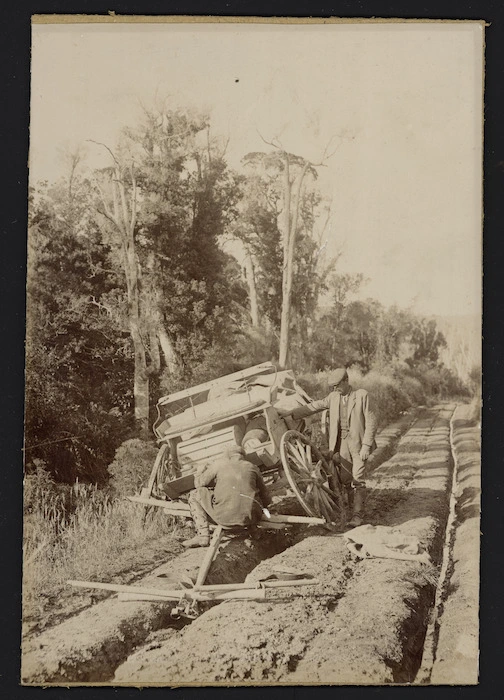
(352,467)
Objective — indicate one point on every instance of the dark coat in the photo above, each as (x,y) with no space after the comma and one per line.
(239,493)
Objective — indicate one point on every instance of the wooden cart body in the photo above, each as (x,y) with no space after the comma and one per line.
(195,426)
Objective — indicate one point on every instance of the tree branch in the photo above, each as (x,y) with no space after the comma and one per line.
(276,145)
(98,143)
(107,211)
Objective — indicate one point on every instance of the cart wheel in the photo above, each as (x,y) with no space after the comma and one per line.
(164,466)
(307,472)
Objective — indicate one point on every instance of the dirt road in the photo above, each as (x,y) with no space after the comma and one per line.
(367,621)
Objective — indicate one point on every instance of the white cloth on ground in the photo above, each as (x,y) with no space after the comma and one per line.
(385,542)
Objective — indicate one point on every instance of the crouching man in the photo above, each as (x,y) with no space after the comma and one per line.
(236,500)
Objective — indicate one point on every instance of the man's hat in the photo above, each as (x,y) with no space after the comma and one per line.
(337,376)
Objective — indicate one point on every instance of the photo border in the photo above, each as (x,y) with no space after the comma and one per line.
(16,50)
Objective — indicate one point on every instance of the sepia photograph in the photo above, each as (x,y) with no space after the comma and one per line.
(253,352)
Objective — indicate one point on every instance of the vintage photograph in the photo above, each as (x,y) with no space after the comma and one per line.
(253,352)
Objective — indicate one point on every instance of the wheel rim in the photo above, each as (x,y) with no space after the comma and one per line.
(165,468)
(306,470)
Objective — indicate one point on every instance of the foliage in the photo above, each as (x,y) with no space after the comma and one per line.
(261,229)
(390,395)
(131,466)
(439,381)
(427,341)
(77,362)
(188,198)
(191,299)
(82,532)
(193,317)
(367,335)
(394,390)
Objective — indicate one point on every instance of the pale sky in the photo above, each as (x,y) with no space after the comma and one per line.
(403,101)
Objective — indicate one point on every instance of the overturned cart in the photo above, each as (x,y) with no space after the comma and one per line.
(194,427)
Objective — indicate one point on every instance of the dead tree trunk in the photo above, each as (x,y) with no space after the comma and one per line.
(251,281)
(122,212)
(290,223)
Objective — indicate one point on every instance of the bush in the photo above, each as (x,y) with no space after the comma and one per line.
(438,381)
(413,389)
(39,489)
(102,537)
(132,466)
(394,389)
(314,383)
(389,396)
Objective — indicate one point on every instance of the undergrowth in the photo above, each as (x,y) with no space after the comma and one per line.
(80,532)
(391,393)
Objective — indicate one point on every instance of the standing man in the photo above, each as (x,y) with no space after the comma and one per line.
(236,500)
(352,430)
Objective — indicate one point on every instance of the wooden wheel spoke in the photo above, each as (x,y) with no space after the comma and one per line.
(312,503)
(305,481)
(333,499)
(298,468)
(326,499)
(297,452)
(324,508)
(306,472)
(330,493)
(316,500)
(331,513)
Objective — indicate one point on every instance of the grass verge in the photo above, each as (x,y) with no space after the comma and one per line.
(83,532)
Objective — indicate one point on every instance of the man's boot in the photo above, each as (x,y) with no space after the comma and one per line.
(200,539)
(358,506)
(349,491)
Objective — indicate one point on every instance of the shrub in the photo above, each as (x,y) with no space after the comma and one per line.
(314,383)
(39,488)
(413,389)
(438,381)
(100,538)
(390,396)
(132,465)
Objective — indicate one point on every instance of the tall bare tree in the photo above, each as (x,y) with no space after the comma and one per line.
(288,175)
(117,186)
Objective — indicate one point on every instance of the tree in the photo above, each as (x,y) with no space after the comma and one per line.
(426,341)
(311,273)
(77,357)
(183,196)
(118,190)
(255,230)
(342,334)
(286,199)
(127,280)
(292,170)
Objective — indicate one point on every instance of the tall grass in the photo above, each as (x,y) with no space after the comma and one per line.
(81,531)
